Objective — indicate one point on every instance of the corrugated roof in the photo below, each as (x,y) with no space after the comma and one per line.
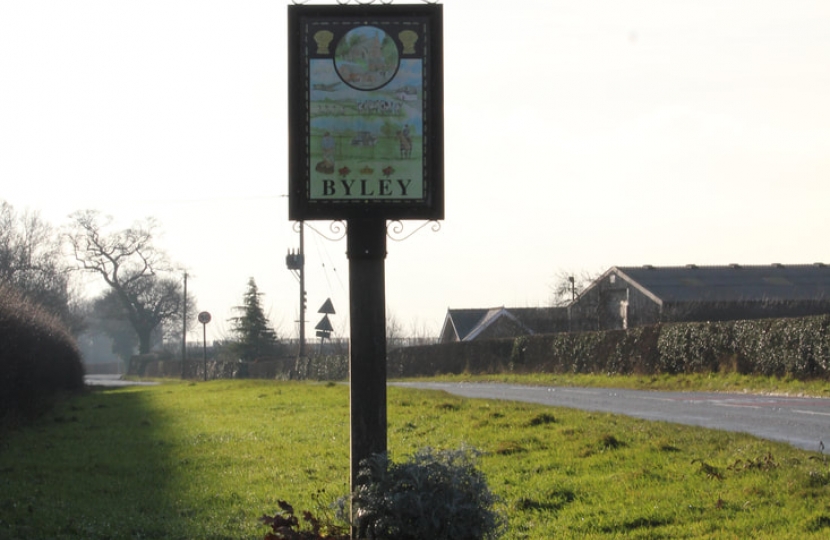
(732,283)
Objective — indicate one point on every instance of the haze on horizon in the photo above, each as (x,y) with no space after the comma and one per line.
(578,136)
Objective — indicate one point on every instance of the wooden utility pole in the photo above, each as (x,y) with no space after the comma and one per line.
(184,326)
(295,261)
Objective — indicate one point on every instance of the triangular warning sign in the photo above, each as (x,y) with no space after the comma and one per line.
(324,324)
(327,307)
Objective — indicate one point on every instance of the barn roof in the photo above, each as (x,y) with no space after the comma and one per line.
(731,283)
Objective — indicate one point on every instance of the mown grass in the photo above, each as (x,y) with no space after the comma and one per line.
(206,460)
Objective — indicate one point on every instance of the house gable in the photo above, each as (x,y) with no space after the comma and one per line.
(470,324)
(458,323)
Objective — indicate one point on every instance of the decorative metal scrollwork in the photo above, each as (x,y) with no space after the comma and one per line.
(395,230)
(362,2)
(337,230)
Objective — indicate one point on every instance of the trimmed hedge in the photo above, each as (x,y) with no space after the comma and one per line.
(39,358)
(798,347)
(321,368)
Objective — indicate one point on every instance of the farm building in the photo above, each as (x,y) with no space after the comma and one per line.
(629,296)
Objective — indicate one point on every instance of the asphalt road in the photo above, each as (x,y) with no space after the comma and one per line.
(112,381)
(801,421)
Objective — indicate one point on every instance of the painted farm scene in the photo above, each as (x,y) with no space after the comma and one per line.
(362,132)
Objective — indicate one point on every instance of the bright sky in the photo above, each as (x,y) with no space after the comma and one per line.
(578,136)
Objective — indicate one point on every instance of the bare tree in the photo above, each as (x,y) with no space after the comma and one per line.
(31,263)
(568,285)
(420,333)
(132,266)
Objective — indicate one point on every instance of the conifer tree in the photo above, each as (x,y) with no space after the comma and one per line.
(255,338)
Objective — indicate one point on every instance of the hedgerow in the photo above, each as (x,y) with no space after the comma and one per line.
(797,347)
(39,358)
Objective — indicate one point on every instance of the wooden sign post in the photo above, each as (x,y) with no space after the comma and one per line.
(367,349)
(366,146)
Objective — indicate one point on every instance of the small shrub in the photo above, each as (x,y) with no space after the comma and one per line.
(439,495)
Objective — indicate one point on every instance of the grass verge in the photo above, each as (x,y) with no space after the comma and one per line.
(703,382)
(206,460)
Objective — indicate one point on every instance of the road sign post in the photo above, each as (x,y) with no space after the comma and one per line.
(204,318)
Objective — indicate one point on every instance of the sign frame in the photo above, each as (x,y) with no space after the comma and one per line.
(366,127)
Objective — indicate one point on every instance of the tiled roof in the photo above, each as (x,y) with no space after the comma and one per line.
(731,283)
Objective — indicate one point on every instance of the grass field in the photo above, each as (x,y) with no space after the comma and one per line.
(206,460)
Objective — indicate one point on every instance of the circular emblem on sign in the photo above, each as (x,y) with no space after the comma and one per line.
(204,317)
(366,58)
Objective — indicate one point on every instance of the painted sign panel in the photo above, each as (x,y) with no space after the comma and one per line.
(365,112)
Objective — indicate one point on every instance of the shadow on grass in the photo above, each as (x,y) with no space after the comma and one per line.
(98,466)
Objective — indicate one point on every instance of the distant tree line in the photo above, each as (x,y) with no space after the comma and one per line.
(31,264)
(42,264)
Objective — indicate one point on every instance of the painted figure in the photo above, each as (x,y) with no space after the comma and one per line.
(406,142)
(328,144)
